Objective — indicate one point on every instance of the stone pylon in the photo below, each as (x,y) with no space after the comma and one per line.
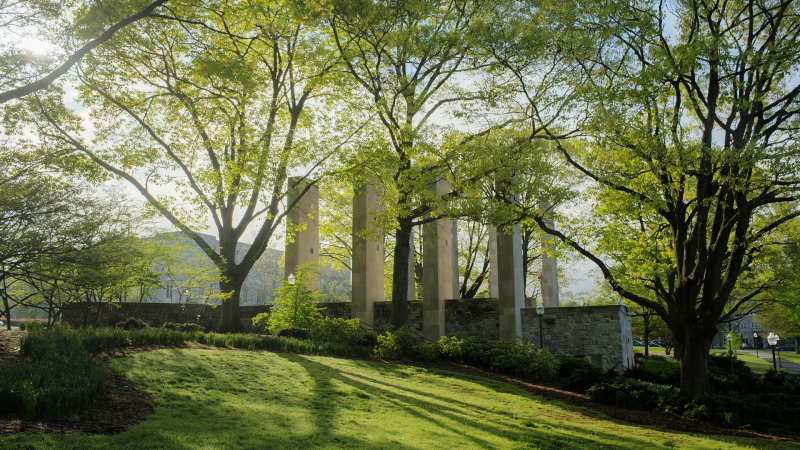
(510,283)
(412,286)
(437,268)
(368,251)
(494,291)
(454,258)
(549,277)
(304,247)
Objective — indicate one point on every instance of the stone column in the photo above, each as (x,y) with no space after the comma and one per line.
(304,248)
(494,292)
(437,268)
(511,284)
(454,258)
(368,251)
(412,285)
(549,278)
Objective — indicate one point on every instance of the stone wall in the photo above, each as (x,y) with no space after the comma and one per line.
(477,317)
(602,334)
(383,315)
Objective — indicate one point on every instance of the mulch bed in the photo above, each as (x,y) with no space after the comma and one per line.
(121,404)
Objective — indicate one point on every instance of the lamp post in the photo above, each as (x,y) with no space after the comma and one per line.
(729,338)
(772,339)
(540,312)
(755,343)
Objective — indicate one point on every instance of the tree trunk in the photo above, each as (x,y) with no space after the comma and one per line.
(694,364)
(646,322)
(231,321)
(797,346)
(402,251)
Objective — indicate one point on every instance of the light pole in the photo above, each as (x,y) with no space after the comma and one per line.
(540,312)
(772,339)
(729,338)
(755,343)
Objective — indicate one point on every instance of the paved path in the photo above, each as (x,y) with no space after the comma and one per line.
(766,355)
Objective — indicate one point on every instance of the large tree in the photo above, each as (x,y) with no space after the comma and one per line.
(22,72)
(690,116)
(204,113)
(411,60)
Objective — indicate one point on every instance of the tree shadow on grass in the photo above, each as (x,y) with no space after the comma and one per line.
(447,412)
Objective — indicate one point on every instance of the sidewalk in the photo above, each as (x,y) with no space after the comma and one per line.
(766,355)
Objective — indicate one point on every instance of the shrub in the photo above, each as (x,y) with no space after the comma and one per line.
(462,348)
(508,357)
(347,332)
(59,379)
(31,326)
(543,367)
(185,327)
(403,341)
(132,324)
(296,333)
(580,374)
(427,352)
(295,306)
(261,323)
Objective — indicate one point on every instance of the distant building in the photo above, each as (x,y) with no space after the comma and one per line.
(261,283)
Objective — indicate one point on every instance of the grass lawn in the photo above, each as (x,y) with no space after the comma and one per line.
(786,356)
(229,399)
(757,365)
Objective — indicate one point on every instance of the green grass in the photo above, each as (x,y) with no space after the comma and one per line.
(786,356)
(757,365)
(209,399)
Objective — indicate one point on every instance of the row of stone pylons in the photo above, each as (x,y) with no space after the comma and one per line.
(440,280)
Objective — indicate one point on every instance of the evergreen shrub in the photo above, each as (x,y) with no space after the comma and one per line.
(132,324)
(347,332)
(185,327)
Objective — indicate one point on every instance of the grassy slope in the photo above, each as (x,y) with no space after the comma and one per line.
(227,399)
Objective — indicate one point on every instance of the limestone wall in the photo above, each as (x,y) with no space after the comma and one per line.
(602,334)
(477,317)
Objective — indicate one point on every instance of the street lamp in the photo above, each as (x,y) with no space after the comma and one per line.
(540,311)
(291,279)
(729,338)
(772,339)
(755,343)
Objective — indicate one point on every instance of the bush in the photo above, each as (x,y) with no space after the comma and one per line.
(261,323)
(403,341)
(296,333)
(628,393)
(462,348)
(580,374)
(347,332)
(31,326)
(295,305)
(543,367)
(132,324)
(185,327)
(59,379)
(508,357)
(427,352)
